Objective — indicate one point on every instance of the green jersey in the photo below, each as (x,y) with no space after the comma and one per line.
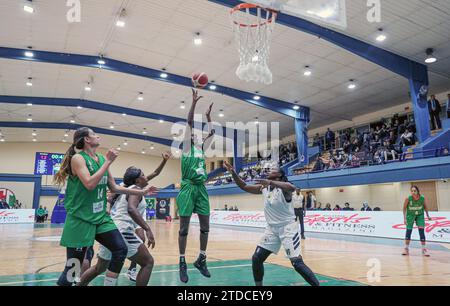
(84,204)
(414,207)
(193,166)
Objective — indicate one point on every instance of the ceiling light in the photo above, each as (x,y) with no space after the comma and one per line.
(256,120)
(182,105)
(221,114)
(352,84)
(111,126)
(197,39)
(255,58)
(256,98)
(144,131)
(307,71)
(88,87)
(66,135)
(29,119)
(124,114)
(143,151)
(152,147)
(80,107)
(101,61)
(72,121)
(161,121)
(34,133)
(29,82)
(212,87)
(164,75)
(64,140)
(119,148)
(121,21)
(380,37)
(2,139)
(125,143)
(326,13)
(430,56)
(29,54)
(28,8)
(29,104)
(296,107)
(141,96)
(34,139)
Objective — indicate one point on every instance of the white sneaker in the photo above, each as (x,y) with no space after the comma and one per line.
(132,274)
(425,253)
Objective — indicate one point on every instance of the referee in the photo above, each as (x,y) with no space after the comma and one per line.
(299,208)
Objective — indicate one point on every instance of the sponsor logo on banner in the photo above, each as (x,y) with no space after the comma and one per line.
(16,216)
(373,224)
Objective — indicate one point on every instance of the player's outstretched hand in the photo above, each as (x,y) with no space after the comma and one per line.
(167,155)
(195,96)
(111,155)
(150,190)
(228,166)
(208,111)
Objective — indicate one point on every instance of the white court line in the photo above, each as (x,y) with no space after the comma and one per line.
(123,274)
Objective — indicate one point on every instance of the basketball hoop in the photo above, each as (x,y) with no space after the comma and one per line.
(253,26)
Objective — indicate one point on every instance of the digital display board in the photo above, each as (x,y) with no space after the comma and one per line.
(47,163)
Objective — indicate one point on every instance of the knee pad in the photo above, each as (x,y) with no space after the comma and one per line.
(422,234)
(304,271)
(117,259)
(204,231)
(408,234)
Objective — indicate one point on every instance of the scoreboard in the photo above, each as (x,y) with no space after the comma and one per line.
(47,163)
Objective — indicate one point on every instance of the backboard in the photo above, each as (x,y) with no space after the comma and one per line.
(328,12)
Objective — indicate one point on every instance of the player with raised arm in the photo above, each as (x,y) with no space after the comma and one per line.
(281,230)
(88,177)
(193,197)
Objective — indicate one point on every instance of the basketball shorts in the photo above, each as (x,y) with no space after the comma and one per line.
(127,230)
(79,234)
(193,198)
(287,236)
(411,219)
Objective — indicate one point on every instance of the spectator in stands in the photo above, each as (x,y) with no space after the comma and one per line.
(40,215)
(447,106)
(377,209)
(226,207)
(337,208)
(236,208)
(347,207)
(389,151)
(310,200)
(366,207)
(392,138)
(327,207)
(434,108)
(317,142)
(329,139)
(2,206)
(407,138)
(318,206)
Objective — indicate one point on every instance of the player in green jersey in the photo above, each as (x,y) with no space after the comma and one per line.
(193,197)
(413,212)
(88,176)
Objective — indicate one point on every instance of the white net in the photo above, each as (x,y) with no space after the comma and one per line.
(253,28)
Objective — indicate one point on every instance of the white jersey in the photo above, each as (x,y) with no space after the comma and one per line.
(277,210)
(297,200)
(119,212)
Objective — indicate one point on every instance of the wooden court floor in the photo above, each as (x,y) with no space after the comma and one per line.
(31,255)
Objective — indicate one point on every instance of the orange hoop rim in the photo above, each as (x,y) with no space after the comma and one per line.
(243,6)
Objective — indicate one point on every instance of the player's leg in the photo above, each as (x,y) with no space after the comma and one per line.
(185,208)
(302,224)
(145,260)
(115,243)
(409,229)
(258,259)
(132,272)
(420,221)
(290,239)
(72,270)
(87,259)
(99,268)
(200,263)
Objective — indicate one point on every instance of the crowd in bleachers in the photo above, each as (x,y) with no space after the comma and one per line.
(15,205)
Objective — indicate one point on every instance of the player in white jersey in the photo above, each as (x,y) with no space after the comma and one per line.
(132,272)
(282,229)
(125,214)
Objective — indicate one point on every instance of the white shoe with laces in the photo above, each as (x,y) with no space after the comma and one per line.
(132,274)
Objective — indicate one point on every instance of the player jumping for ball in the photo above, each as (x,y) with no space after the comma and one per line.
(281,226)
(193,197)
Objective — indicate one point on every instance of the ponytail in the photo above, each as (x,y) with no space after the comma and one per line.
(78,143)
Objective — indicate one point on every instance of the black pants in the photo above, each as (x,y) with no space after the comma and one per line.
(299,216)
(435,120)
(448,114)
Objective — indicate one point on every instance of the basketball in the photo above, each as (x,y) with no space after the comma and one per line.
(200,80)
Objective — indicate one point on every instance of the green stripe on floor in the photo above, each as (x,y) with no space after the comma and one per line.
(223,273)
